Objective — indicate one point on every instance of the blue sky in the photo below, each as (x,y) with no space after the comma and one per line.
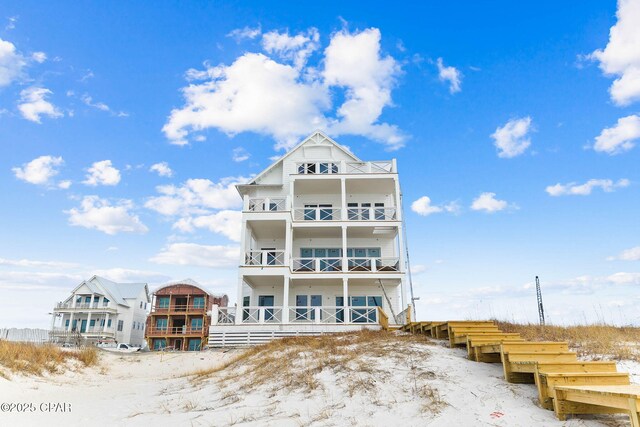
(514,127)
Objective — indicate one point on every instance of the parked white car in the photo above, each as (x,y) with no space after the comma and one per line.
(119,348)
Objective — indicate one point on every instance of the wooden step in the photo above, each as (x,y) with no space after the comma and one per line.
(592,399)
(547,382)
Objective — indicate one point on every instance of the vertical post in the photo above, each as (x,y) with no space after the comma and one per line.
(373,262)
(316,314)
(261,315)
(245,202)
(106,322)
(214,314)
(70,322)
(343,198)
(285,300)
(345,299)
(345,263)
(288,244)
(88,321)
(239,304)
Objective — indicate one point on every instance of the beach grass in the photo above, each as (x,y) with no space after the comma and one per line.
(37,359)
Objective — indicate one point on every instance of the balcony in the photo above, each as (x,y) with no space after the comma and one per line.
(266,204)
(298,315)
(95,330)
(353,168)
(180,330)
(352,214)
(83,307)
(179,309)
(354,264)
(264,258)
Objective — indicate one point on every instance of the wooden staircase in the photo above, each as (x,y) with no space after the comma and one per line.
(565,384)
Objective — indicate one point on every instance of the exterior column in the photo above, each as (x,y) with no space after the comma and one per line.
(70,322)
(345,264)
(343,199)
(88,321)
(288,244)
(106,322)
(345,303)
(285,300)
(402,264)
(239,303)
(53,320)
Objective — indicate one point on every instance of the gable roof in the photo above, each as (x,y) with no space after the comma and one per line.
(316,136)
(116,292)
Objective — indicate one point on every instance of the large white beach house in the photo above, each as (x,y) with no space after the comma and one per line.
(101,310)
(322,247)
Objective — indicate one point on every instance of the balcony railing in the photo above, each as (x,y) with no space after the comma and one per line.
(371,214)
(95,330)
(317,214)
(180,330)
(317,265)
(329,168)
(179,308)
(83,306)
(261,314)
(264,258)
(267,205)
(304,314)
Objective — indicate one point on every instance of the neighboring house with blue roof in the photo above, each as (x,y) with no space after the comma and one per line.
(102,310)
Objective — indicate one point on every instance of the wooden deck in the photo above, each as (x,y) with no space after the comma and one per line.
(565,384)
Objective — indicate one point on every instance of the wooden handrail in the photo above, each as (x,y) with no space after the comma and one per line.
(383,319)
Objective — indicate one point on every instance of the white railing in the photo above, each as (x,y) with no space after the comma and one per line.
(87,330)
(333,314)
(83,306)
(385,166)
(324,168)
(317,214)
(371,214)
(261,314)
(226,316)
(301,265)
(313,168)
(267,205)
(264,258)
(373,264)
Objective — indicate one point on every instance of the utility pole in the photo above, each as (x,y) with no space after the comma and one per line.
(540,306)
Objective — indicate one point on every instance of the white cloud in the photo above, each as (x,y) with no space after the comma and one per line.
(241,97)
(624,278)
(11,63)
(585,189)
(619,138)
(32,263)
(354,62)
(196,196)
(39,171)
(240,34)
(632,254)
(240,154)
(423,206)
(511,139)
(198,255)
(226,222)
(487,202)
(88,100)
(39,57)
(451,75)
(102,173)
(99,214)
(33,104)
(296,48)
(125,275)
(64,184)
(161,169)
(621,56)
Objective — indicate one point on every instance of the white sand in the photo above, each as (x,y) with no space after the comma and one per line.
(148,389)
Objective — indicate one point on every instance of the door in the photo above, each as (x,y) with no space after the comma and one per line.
(83,325)
(352,211)
(306,263)
(245,303)
(365,211)
(270,256)
(177,344)
(194,344)
(316,301)
(302,312)
(358,315)
(267,301)
(379,211)
(373,302)
(340,311)
(310,212)
(326,212)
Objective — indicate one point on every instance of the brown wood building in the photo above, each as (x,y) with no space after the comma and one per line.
(180,316)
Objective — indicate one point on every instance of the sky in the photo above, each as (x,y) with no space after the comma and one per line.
(123,129)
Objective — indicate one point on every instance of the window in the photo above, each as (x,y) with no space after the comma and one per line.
(92,323)
(66,323)
(194,344)
(196,324)
(161,323)
(140,304)
(305,168)
(365,315)
(145,305)
(101,322)
(163,302)
(87,299)
(246,301)
(79,299)
(198,302)
(105,302)
(120,325)
(306,313)
(109,323)
(159,343)
(328,168)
